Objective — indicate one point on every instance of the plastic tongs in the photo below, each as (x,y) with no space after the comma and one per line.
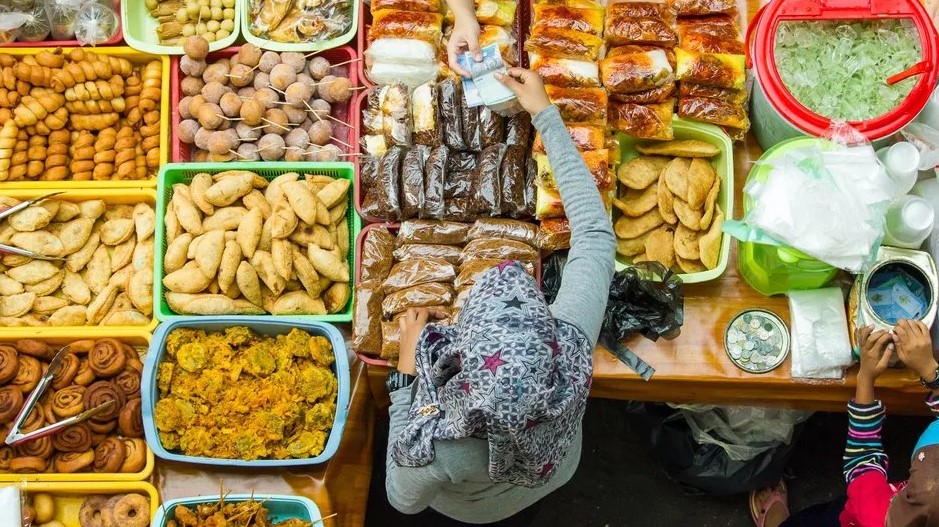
(9,249)
(16,438)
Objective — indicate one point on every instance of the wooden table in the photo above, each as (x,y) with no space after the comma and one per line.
(338,486)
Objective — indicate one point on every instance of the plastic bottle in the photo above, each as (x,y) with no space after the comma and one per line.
(909,221)
(902,163)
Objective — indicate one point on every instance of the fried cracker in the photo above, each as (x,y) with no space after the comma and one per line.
(688,215)
(686,242)
(700,179)
(690,266)
(660,246)
(710,243)
(642,171)
(627,227)
(637,202)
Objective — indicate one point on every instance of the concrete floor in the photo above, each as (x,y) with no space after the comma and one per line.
(619,484)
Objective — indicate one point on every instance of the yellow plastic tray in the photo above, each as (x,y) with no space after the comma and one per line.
(137,58)
(69,496)
(112,196)
(139,340)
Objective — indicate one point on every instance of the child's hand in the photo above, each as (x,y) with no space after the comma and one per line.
(914,347)
(528,87)
(876,350)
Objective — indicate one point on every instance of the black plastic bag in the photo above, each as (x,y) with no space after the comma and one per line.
(551,269)
(645,298)
(434,183)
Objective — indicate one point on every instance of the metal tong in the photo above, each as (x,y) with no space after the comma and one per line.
(9,249)
(15,437)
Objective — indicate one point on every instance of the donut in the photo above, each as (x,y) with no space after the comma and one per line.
(41,447)
(107,358)
(11,400)
(67,371)
(109,456)
(90,514)
(9,364)
(129,510)
(135,455)
(129,381)
(101,428)
(69,462)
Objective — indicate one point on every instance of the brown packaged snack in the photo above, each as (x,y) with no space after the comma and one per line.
(458,184)
(531,188)
(471,131)
(499,249)
(450,253)
(462,295)
(410,273)
(462,162)
(473,269)
(368,171)
(491,127)
(366,318)
(449,102)
(432,232)
(488,192)
(518,130)
(459,209)
(435,171)
(375,261)
(412,181)
(521,231)
(391,341)
(513,182)
(555,234)
(382,200)
(425,295)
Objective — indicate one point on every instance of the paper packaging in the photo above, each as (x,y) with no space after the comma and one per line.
(483,88)
(820,346)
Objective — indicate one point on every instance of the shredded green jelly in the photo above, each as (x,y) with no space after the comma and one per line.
(838,69)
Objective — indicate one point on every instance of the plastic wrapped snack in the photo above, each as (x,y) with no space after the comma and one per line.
(518,130)
(372,115)
(450,103)
(712,69)
(691,90)
(703,43)
(376,258)
(462,295)
(408,74)
(458,183)
(471,271)
(513,181)
(491,127)
(625,27)
(391,341)
(520,231)
(62,15)
(564,43)
(496,12)
(424,115)
(585,20)
(555,234)
(597,161)
(96,23)
(412,181)
(636,72)
(470,124)
(580,105)
(460,209)
(567,73)
(703,7)
(489,193)
(721,26)
(368,171)
(407,24)
(397,126)
(497,35)
(428,6)
(531,187)
(424,295)
(652,96)
(499,249)
(366,318)
(586,137)
(29,25)
(432,232)
(653,121)
(435,171)
(637,9)
(410,273)
(714,111)
(400,51)
(549,204)
(382,200)
(452,254)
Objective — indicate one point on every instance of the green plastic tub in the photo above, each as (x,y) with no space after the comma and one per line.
(140,29)
(304,47)
(280,507)
(183,173)
(723,164)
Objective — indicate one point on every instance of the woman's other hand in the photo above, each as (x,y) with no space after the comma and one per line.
(465,37)
(412,324)
(528,87)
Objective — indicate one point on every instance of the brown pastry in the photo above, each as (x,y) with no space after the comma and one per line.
(97,439)
(6,455)
(67,371)
(76,438)
(11,400)
(102,428)
(129,381)
(70,462)
(85,376)
(135,456)
(128,510)
(35,348)
(41,447)
(92,511)
(27,465)
(107,358)
(81,347)
(109,456)
(28,374)
(68,401)
(9,363)
(47,412)
(130,422)
(34,421)
(100,393)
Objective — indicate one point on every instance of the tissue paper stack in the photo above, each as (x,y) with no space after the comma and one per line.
(820,347)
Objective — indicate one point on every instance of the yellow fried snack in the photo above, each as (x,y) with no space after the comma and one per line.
(235,394)
(665,201)
(676,177)
(700,178)
(637,202)
(687,215)
(631,246)
(709,203)
(641,172)
(680,148)
(686,242)
(710,243)
(660,246)
(627,227)
(690,266)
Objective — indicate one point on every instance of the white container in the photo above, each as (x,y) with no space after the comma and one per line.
(902,163)
(909,222)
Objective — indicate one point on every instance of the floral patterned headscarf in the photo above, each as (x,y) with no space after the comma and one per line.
(507,372)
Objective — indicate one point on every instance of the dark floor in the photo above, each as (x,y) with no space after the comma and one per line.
(619,484)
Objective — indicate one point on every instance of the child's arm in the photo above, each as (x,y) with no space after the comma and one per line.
(914,347)
(863,450)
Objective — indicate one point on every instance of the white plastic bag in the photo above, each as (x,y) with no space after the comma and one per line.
(820,347)
(95,24)
(744,432)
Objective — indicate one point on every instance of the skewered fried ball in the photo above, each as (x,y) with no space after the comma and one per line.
(241,75)
(294,115)
(195,102)
(320,109)
(268,60)
(337,89)
(230,104)
(187,130)
(184,107)
(252,112)
(320,133)
(191,66)
(217,72)
(249,55)
(210,116)
(271,147)
(276,122)
(213,91)
(294,60)
(201,139)
(247,132)
(261,80)
(248,152)
(318,67)
(268,97)
(196,47)
(327,154)
(191,85)
(222,142)
(297,94)
(282,75)
(246,93)
(297,138)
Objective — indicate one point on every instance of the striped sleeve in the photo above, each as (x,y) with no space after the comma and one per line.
(932,401)
(863,451)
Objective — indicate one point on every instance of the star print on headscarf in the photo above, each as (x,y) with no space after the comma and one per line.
(515,302)
(492,362)
(555,349)
(546,469)
(530,423)
(465,386)
(505,264)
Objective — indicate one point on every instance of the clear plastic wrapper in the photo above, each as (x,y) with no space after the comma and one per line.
(531,187)
(471,271)
(462,162)
(368,171)
(460,209)
(412,181)
(96,23)
(691,90)
(555,234)
(520,231)
(580,105)
(585,20)
(450,105)
(549,204)
(496,12)
(432,232)
(513,181)
(470,124)
(397,125)
(653,96)
(586,137)
(462,295)
(391,341)
(491,127)
(407,74)
(597,161)
(376,258)
(427,6)
(458,184)
(636,72)
(62,16)
(500,36)
(435,171)
(704,43)
(366,318)
(518,130)
(568,73)
(489,194)
(652,121)
(374,145)
(418,271)
(499,249)
(703,7)
(31,24)
(721,26)
(424,115)
(407,24)
(450,253)
(372,114)
(564,43)
(383,200)
(711,69)
(424,295)
(634,9)
(400,51)
(623,26)
(714,111)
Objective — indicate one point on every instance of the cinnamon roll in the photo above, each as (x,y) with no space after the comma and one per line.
(85,376)
(130,422)
(27,465)
(36,348)
(41,447)
(101,428)
(107,358)
(69,401)
(67,371)
(101,392)
(76,438)
(135,455)
(9,363)
(6,455)
(109,456)
(11,401)
(34,421)
(81,347)
(128,381)
(69,462)
(28,374)
(47,412)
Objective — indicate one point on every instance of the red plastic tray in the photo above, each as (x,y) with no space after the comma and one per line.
(343,112)
(393,228)
(116,39)
(356,116)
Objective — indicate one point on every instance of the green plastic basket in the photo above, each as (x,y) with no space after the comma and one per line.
(140,29)
(306,47)
(183,173)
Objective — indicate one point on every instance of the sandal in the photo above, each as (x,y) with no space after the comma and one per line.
(778,495)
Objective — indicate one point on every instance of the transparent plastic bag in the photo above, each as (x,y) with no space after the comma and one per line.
(416,272)
(499,249)
(96,23)
(521,231)
(424,295)
(27,24)
(366,318)
(62,15)
(376,256)
(433,232)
